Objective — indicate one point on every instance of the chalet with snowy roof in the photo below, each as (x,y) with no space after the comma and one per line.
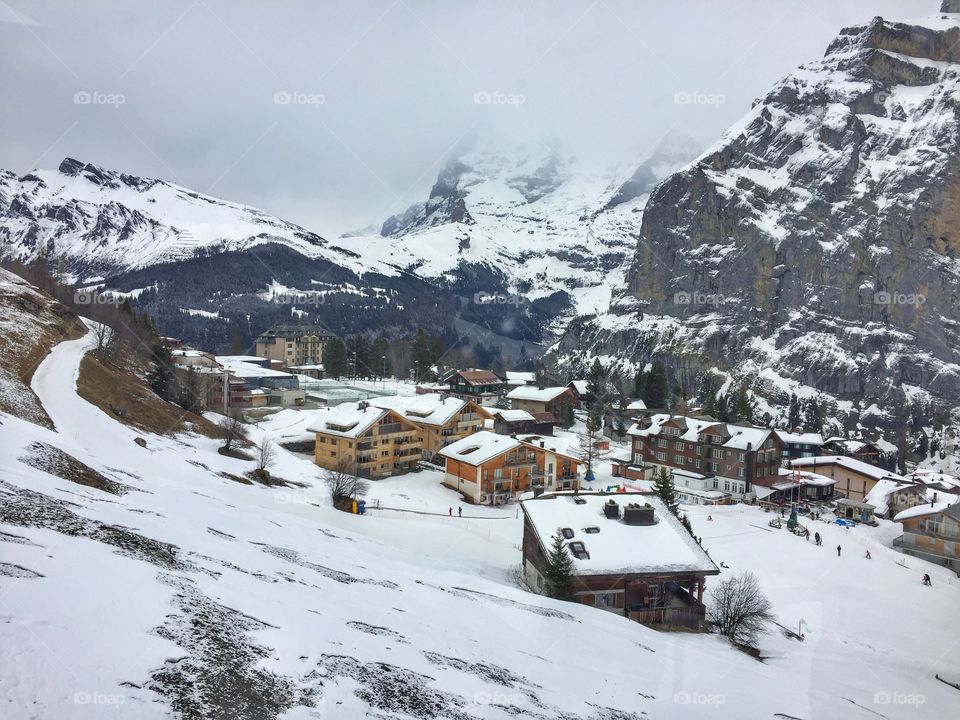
(798,444)
(521,422)
(707,456)
(931,532)
(483,387)
(519,379)
(542,400)
(491,469)
(854,478)
(857,448)
(795,485)
(370,441)
(442,419)
(631,556)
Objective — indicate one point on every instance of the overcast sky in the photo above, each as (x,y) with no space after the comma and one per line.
(337,114)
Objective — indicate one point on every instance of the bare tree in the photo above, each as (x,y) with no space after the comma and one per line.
(587,451)
(739,609)
(267,454)
(234,431)
(344,484)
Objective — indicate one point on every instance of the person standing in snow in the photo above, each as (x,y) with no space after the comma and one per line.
(459,512)
(838,551)
(867,555)
(816,538)
(450,511)
(926,579)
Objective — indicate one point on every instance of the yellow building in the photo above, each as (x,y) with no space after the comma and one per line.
(442,419)
(367,441)
(293,344)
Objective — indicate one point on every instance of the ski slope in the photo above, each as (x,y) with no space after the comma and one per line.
(267,603)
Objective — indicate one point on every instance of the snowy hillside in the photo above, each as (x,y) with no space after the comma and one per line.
(533,216)
(147,580)
(813,249)
(105,221)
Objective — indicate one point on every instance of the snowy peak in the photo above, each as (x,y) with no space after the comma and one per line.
(671,153)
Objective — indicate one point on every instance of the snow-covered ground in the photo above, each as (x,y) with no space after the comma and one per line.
(269,603)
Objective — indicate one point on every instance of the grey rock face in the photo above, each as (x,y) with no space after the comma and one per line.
(818,241)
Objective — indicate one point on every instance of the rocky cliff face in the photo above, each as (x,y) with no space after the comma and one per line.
(815,247)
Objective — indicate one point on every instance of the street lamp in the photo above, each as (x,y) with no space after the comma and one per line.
(383,372)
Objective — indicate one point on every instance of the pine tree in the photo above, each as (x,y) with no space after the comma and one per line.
(597,382)
(685,521)
(793,413)
(656,388)
(640,385)
(663,487)
(710,404)
(559,572)
(335,361)
(566,412)
(620,425)
(161,377)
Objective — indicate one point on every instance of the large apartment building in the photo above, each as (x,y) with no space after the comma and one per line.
(368,441)
(293,344)
(707,455)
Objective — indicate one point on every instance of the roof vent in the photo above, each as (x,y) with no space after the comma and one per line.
(611,509)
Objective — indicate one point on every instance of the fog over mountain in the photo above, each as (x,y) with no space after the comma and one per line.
(336,116)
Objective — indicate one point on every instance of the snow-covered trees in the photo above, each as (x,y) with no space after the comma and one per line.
(559,572)
(344,485)
(739,609)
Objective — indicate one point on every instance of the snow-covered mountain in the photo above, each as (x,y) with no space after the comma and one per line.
(532,220)
(103,222)
(816,246)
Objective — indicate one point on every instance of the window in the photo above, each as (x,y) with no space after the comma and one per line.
(602,600)
(698,463)
(741,456)
(662,456)
(567,533)
(726,486)
(591,530)
(663,442)
(741,472)
(678,446)
(579,550)
(679,459)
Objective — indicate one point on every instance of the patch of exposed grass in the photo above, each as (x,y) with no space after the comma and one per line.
(126,397)
(55,461)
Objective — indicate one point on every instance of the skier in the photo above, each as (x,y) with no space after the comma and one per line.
(926,579)
(867,555)
(450,511)
(816,538)
(459,512)
(838,551)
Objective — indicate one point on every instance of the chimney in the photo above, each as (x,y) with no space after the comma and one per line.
(611,509)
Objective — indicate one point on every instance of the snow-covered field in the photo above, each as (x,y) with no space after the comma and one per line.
(186,593)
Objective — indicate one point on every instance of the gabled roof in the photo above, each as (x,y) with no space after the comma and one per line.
(852,464)
(348,420)
(476,377)
(578,386)
(480,447)
(930,509)
(800,438)
(512,415)
(428,409)
(536,394)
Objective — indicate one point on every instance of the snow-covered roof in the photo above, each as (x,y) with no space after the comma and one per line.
(849,445)
(428,409)
(637,405)
(617,548)
(245,369)
(526,392)
(480,447)
(852,464)
(741,437)
(579,385)
(252,359)
(795,438)
(925,509)
(561,445)
(520,378)
(511,415)
(348,420)
(807,478)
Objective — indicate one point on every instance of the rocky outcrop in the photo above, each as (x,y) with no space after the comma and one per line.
(818,243)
